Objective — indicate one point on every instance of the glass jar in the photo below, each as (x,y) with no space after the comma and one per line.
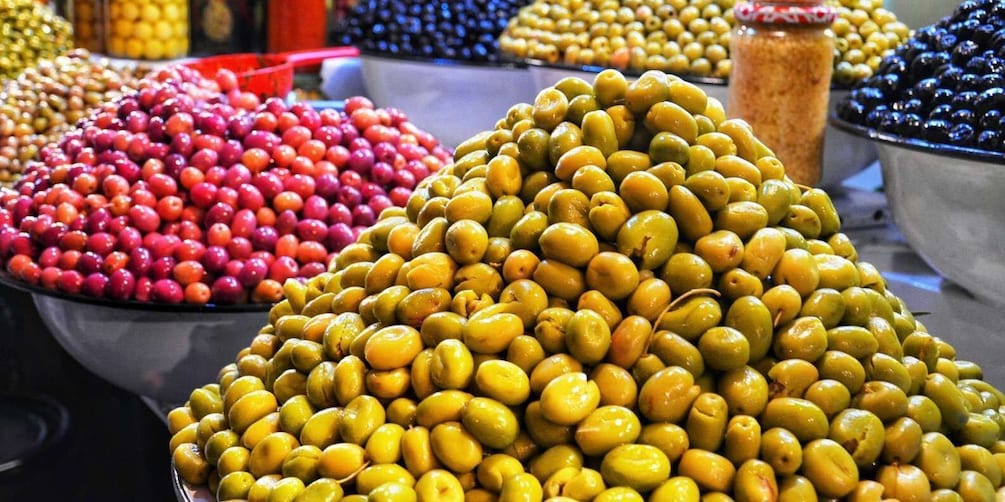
(147,30)
(227,26)
(88,20)
(783,57)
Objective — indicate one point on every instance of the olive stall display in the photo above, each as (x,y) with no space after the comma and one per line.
(681,36)
(688,37)
(48,99)
(465,30)
(31,31)
(946,85)
(189,190)
(615,295)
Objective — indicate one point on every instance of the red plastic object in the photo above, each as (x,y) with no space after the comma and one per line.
(268,74)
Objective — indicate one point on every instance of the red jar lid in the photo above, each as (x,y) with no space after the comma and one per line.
(790,12)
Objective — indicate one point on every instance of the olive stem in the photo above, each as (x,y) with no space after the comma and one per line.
(353,475)
(670,306)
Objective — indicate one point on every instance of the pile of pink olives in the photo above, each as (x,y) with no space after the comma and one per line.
(190,190)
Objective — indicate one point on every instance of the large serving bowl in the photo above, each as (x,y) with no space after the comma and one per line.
(185,492)
(450,99)
(154,350)
(947,202)
(844,154)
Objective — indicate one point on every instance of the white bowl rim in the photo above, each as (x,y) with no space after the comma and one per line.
(918,145)
(694,79)
(502,64)
(242,308)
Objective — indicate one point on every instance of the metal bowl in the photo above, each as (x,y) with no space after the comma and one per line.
(159,351)
(844,154)
(185,492)
(453,100)
(947,202)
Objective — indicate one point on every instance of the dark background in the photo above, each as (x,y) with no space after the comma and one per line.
(116,447)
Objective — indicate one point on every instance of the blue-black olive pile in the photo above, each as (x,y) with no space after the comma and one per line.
(465,30)
(945,85)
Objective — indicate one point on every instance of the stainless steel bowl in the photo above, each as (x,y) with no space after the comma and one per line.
(155,350)
(947,202)
(452,100)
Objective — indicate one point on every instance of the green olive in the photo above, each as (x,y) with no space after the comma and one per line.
(521,487)
(668,394)
(490,421)
(805,419)
(830,395)
(649,237)
(883,399)
(745,391)
(755,480)
(939,460)
(606,428)
(711,471)
(803,338)
(782,450)
(861,433)
(637,466)
(673,350)
(374,476)
(724,348)
(742,440)
(706,421)
(791,377)
(569,398)
(555,459)
(830,468)
(494,469)
(904,482)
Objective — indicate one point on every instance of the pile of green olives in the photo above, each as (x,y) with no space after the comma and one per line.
(48,99)
(617,294)
(31,31)
(680,36)
(864,33)
(685,37)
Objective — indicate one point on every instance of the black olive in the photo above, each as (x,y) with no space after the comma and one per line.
(989,140)
(990,119)
(962,135)
(941,112)
(945,42)
(963,116)
(943,96)
(911,125)
(852,111)
(935,131)
(964,99)
(990,99)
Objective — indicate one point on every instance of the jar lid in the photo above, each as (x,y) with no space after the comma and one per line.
(789,12)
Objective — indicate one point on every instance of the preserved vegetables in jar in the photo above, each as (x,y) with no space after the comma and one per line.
(783,58)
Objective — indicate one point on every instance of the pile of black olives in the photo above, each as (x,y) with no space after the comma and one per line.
(945,85)
(465,30)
